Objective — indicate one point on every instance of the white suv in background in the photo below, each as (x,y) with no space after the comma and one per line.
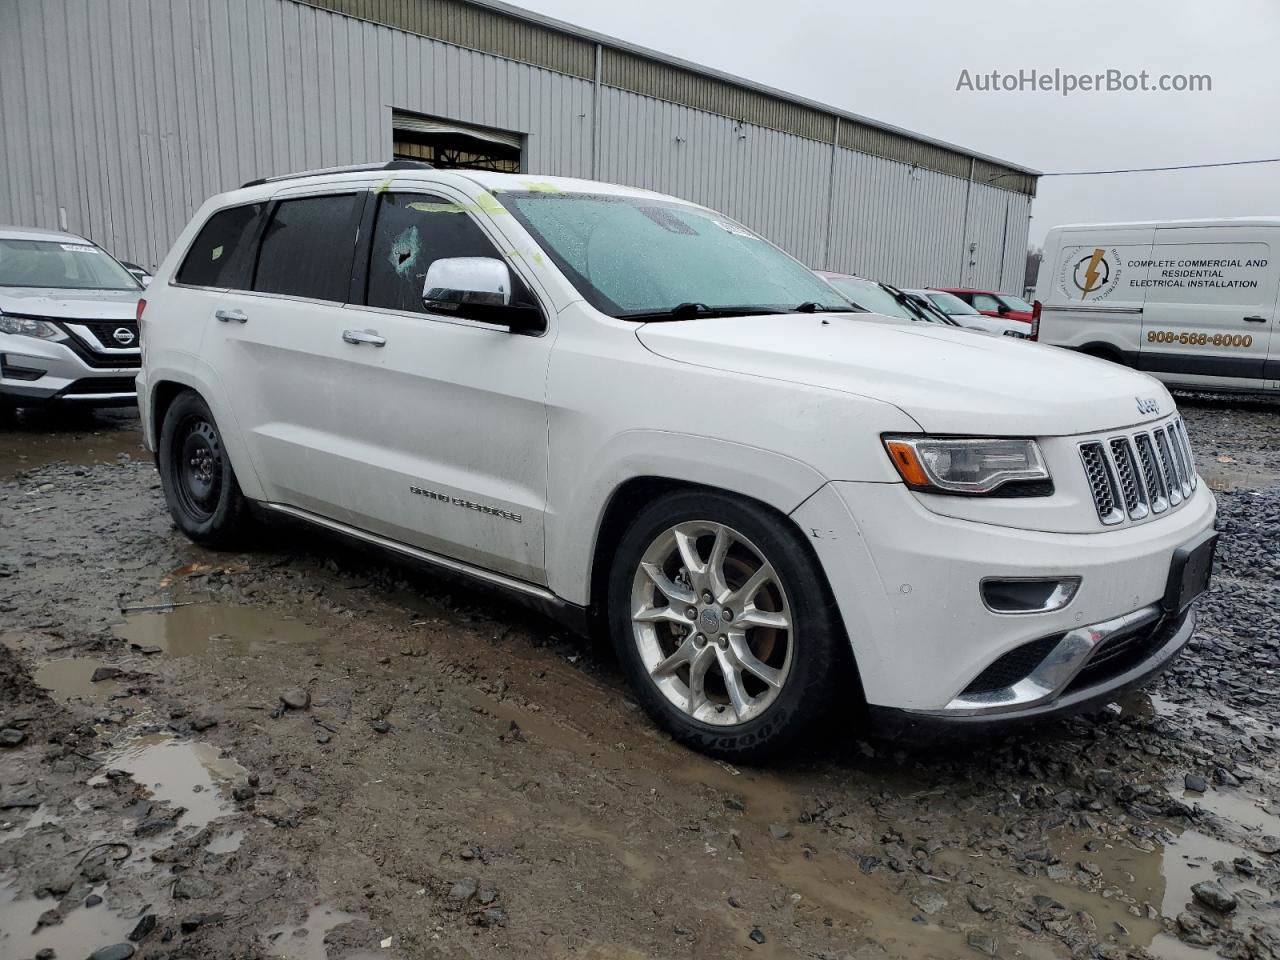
(68,324)
(636,413)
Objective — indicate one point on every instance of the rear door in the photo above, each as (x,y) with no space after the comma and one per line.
(277,345)
(1210,310)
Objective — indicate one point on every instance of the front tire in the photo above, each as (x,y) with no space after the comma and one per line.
(199,484)
(723,623)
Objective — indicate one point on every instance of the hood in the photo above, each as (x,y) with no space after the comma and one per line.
(947,380)
(61,304)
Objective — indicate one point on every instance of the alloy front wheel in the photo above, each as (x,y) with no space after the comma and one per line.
(712,622)
(723,620)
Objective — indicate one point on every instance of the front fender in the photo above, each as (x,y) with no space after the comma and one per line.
(780,481)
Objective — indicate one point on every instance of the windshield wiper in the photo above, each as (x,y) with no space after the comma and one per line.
(813,306)
(693,310)
(922,311)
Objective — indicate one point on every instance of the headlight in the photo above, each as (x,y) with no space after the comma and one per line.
(960,465)
(26,327)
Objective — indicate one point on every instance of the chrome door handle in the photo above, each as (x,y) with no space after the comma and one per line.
(364,336)
(1255,319)
(226,316)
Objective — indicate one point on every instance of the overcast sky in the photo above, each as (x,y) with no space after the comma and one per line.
(900,63)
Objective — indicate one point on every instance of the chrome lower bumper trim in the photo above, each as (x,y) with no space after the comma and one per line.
(1055,672)
(70,397)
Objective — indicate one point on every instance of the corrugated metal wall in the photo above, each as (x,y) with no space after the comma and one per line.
(127,114)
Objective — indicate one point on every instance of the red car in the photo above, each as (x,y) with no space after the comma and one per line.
(993,304)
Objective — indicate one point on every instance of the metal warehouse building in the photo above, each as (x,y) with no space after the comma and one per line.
(120,117)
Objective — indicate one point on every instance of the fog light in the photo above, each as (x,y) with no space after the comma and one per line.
(1028,594)
(11,371)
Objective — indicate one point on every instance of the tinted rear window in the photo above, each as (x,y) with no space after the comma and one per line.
(307,247)
(222,253)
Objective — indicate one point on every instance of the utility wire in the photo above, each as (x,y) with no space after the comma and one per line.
(1186,166)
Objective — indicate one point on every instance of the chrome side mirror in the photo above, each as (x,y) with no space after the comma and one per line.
(467,281)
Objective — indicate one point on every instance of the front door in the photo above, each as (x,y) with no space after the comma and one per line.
(1210,306)
(442,420)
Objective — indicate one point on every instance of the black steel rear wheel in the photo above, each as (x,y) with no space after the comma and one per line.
(199,483)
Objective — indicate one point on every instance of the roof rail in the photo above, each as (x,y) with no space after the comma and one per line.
(352,168)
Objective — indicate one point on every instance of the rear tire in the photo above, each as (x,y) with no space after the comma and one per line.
(722,620)
(199,484)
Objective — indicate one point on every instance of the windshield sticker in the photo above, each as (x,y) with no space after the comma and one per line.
(668,221)
(404,252)
(736,230)
(216,254)
(78,247)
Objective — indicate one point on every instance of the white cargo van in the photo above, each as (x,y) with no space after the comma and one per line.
(1192,302)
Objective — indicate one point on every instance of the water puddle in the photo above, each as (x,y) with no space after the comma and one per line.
(1189,860)
(225,842)
(202,628)
(186,773)
(39,817)
(1225,479)
(1162,877)
(72,678)
(29,447)
(82,931)
(1168,947)
(1131,879)
(306,942)
(1232,805)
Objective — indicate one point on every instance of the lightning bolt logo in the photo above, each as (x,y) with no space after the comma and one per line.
(1091,275)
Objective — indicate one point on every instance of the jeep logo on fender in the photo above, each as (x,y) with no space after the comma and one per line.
(1148,404)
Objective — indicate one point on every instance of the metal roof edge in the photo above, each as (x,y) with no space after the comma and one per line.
(551,23)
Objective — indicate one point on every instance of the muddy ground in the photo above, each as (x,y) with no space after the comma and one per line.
(456,777)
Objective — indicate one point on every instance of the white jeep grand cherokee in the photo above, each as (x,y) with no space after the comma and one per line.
(635,412)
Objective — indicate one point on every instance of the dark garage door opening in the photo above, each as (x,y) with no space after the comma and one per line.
(446,143)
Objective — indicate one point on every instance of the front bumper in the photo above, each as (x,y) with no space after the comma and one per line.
(908,581)
(1063,685)
(36,372)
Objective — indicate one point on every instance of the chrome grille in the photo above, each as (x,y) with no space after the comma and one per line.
(1101,481)
(1151,473)
(1182,448)
(1131,494)
(1172,482)
(1139,474)
(1179,461)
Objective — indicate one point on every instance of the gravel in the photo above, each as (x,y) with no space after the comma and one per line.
(524,807)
